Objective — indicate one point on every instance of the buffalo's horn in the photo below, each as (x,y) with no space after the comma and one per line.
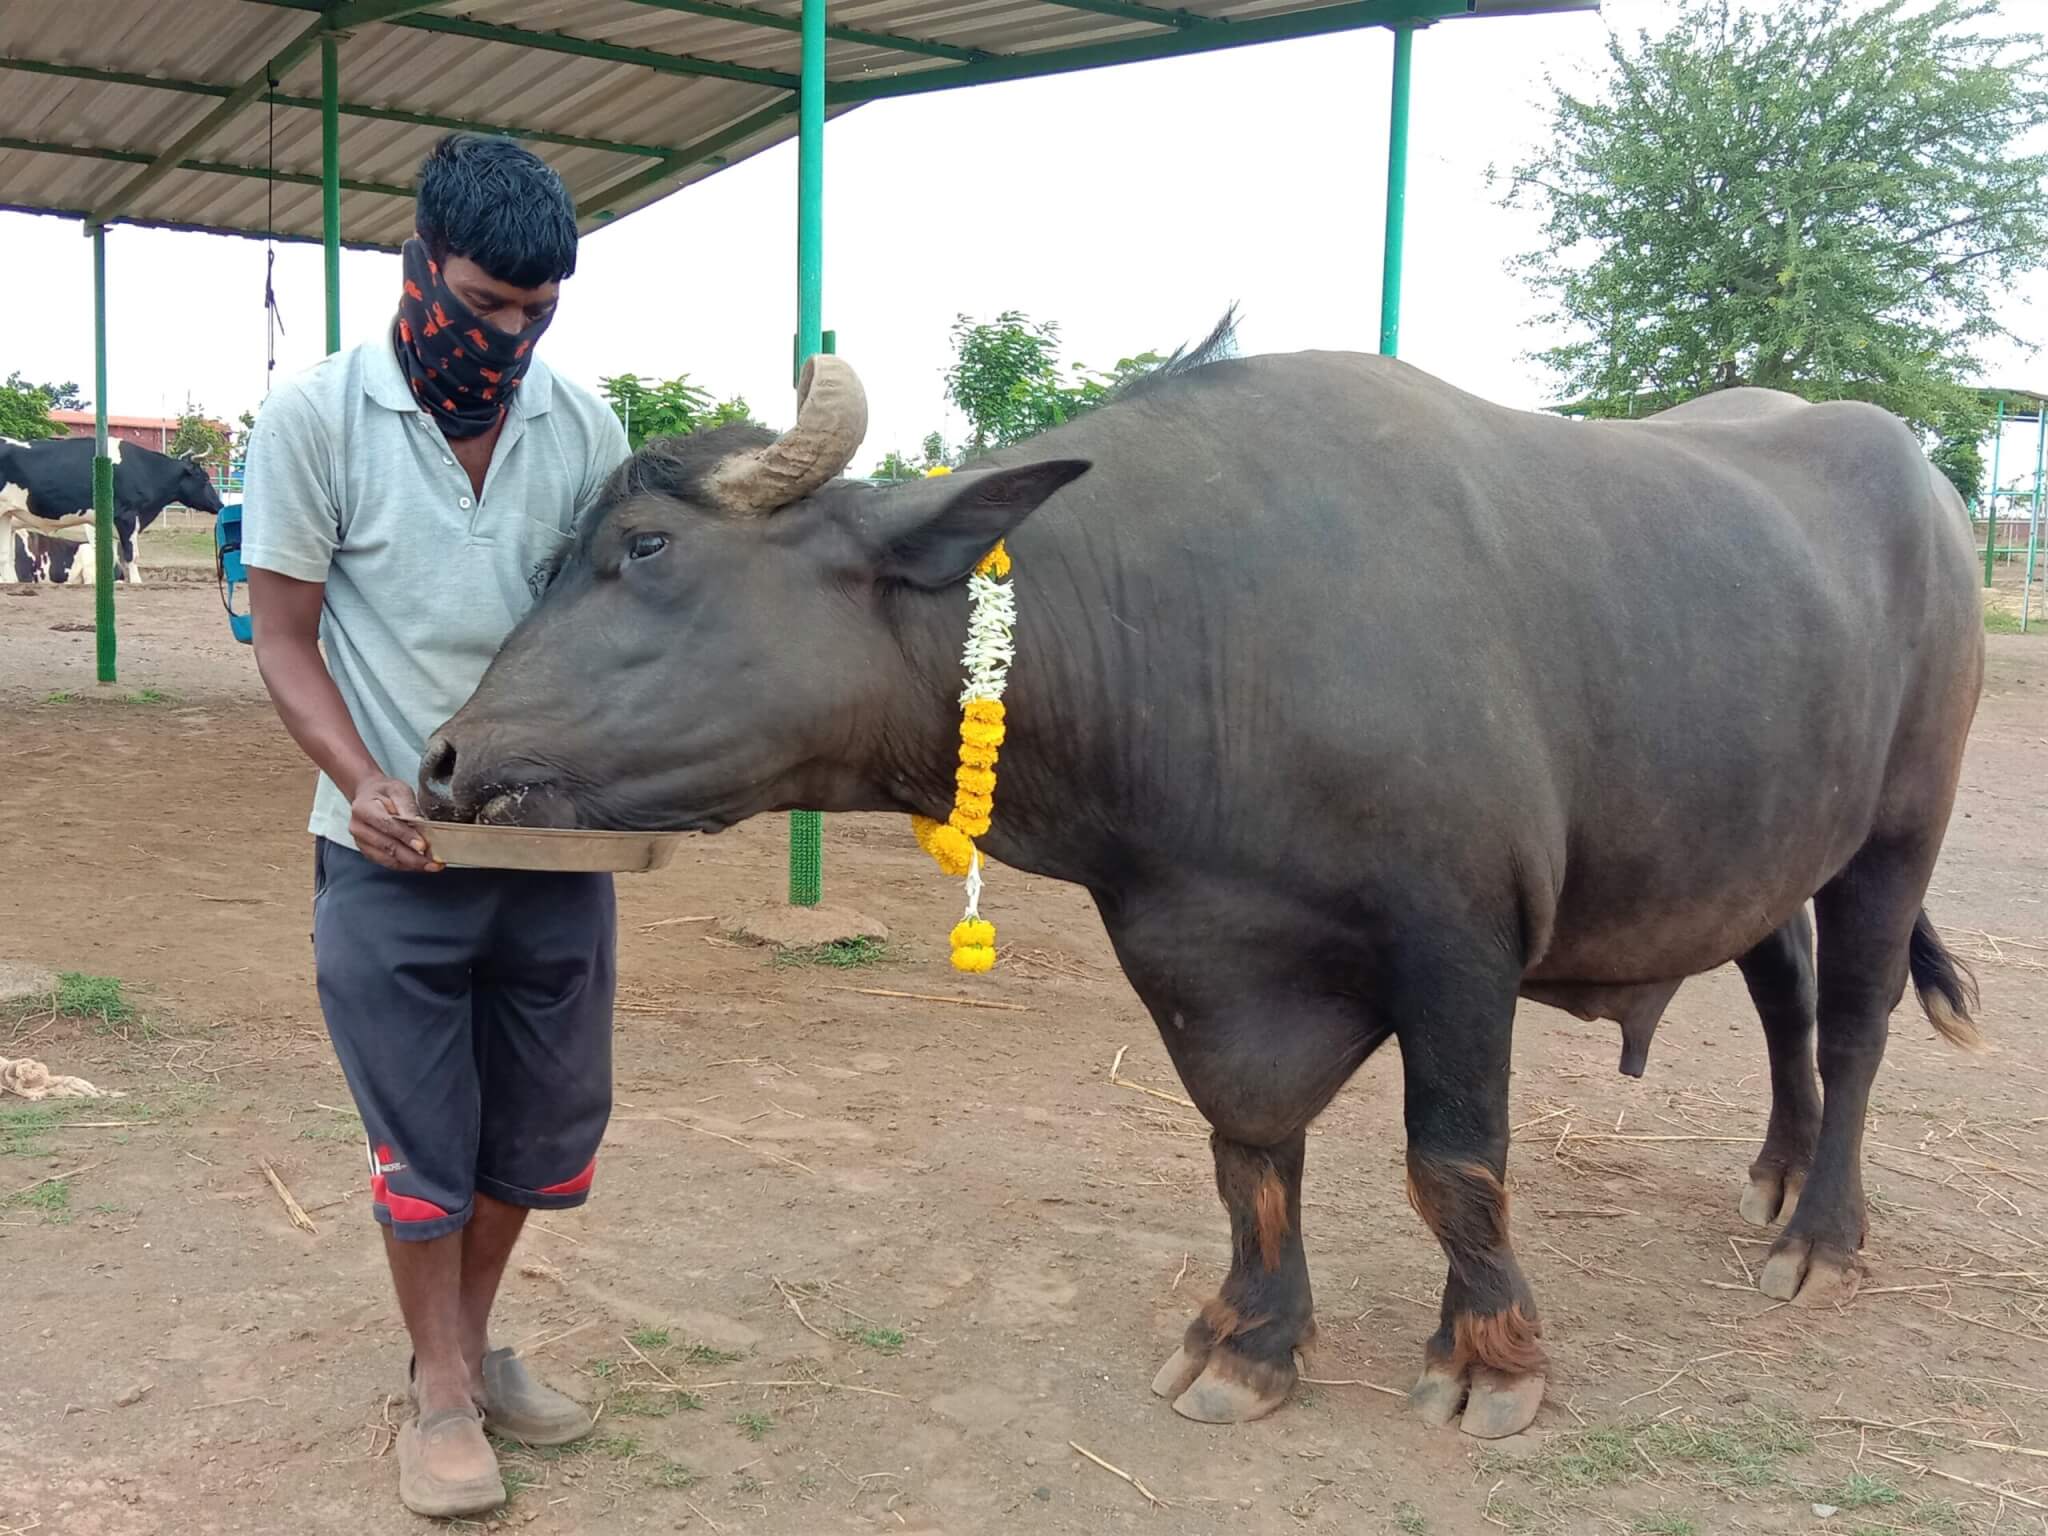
(831,420)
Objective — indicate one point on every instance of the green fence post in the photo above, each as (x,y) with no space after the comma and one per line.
(1397,195)
(806,828)
(2034,512)
(1991,496)
(330,182)
(102,468)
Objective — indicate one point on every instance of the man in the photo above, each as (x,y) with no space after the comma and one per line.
(402,500)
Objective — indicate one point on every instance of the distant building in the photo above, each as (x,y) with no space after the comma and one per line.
(146,431)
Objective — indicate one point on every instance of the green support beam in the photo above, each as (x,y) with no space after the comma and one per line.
(211,167)
(603,204)
(102,469)
(1991,498)
(348,108)
(1127,10)
(330,183)
(1397,195)
(578,47)
(806,828)
(747,16)
(340,18)
(1231,34)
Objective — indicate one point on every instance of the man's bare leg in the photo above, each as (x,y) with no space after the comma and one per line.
(487,1244)
(428,1278)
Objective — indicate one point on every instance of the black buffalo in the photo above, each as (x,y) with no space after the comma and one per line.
(1361,707)
(48,486)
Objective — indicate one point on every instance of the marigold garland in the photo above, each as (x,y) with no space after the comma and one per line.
(990,648)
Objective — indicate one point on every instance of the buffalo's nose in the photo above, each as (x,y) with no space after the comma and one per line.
(437,775)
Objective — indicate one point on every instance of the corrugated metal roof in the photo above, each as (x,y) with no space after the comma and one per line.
(630,100)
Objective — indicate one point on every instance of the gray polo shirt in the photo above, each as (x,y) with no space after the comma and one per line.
(350,483)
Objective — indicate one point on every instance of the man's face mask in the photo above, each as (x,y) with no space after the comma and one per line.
(461,370)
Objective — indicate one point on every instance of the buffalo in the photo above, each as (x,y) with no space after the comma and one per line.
(1362,707)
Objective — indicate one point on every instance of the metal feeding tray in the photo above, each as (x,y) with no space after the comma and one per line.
(471,845)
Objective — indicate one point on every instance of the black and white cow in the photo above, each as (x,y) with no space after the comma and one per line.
(46,500)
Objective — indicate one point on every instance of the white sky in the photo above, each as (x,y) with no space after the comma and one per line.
(1130,205)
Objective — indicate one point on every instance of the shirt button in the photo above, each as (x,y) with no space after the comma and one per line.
(464,503)
(446,460)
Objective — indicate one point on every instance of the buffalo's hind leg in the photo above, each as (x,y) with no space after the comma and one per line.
(1865,917)
(1780,976)
(1487,1356)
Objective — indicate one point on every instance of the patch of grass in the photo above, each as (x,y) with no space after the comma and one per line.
(1409,1520)
(152,696)
(1999,622)
(883,1341)
(840,954)
(755,1426)
(80,996)
(672,1474)
(704,1354)
(334,1125)
(618,1447)
(61,696)
(22,1126)
(52,1200)
(604,1370)
(1743,1454)
(634,1403)
(649,1338)
(1859,1491)
(746,1482)
(1665,1525)
(517,1480)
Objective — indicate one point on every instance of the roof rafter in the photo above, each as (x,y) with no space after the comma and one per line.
(749,17)
(1223,34)
(568,43)
(603,205)
(211,167)
(354,13)
(348,108)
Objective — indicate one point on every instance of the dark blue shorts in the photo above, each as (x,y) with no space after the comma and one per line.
(472,1012)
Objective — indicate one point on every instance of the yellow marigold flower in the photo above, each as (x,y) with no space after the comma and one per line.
(977,757)
(976,781)
(975,960)
(975,932)
(968,826)
(951,849)
(983,711)
(967,803)
(975,734)
(995,563)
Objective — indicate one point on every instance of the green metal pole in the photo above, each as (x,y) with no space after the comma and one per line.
(1397,195)
(1991,496)
(806,828)
(2034,514)
(330,182)
(102,468)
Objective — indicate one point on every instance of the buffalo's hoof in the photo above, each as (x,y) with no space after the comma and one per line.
(1496,1404)
(1771,1195)
(1812,1273)
(1226,1388)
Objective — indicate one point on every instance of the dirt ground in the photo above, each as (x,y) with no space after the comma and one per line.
(867,1263)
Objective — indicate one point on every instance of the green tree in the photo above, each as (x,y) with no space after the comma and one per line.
(897,466)
(1006,377)
(25,408)
(1825,197)
(934,449)
(199,435)
(651,408)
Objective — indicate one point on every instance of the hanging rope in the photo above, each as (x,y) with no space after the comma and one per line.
(273,323)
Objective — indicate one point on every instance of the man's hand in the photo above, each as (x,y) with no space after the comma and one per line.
(379,835)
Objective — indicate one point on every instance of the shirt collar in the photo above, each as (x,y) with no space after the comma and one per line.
(384,382)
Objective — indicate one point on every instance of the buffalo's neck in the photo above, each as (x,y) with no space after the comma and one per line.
(1056,808)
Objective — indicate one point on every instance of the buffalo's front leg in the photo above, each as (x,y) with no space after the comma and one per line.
(1237,1360)
(1486,1356)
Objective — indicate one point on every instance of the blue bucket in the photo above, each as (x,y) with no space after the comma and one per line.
(231,573)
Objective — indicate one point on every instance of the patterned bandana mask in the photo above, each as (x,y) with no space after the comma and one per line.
(460,369)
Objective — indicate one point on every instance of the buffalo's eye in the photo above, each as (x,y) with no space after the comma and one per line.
(642,546)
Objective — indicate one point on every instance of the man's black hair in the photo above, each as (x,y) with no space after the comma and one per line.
(499,204)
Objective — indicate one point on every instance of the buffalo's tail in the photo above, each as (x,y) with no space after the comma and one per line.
(1947,989)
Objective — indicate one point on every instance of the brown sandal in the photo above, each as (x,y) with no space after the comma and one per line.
(421,1491)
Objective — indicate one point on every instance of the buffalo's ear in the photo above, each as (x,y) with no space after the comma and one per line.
(933,533)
